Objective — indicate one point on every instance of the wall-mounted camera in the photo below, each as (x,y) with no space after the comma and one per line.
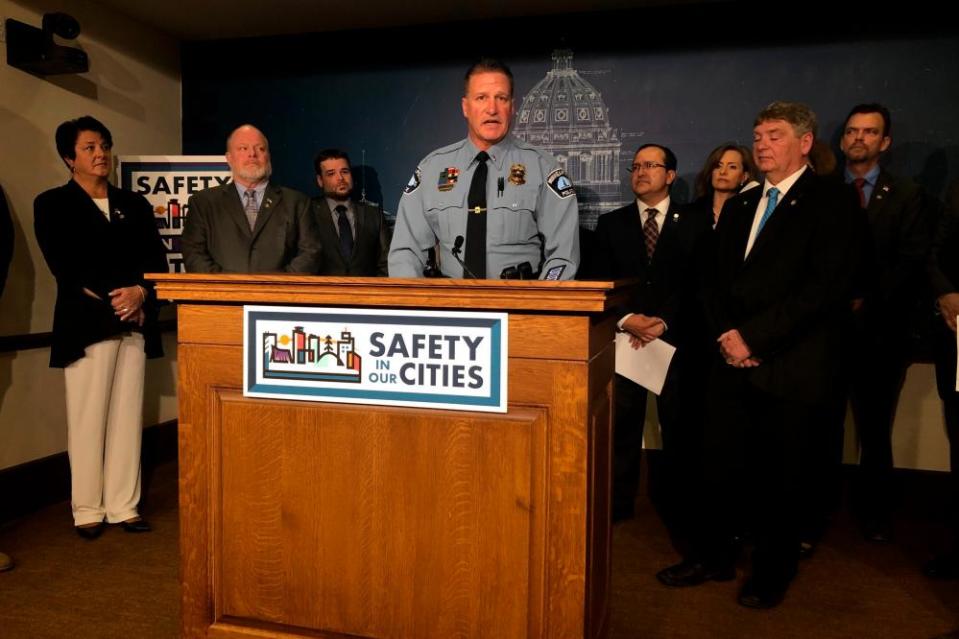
(34,50)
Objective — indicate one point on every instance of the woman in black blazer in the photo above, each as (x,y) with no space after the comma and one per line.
(98,242)
(729,169)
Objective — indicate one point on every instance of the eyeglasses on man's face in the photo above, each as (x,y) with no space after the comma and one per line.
(647,166)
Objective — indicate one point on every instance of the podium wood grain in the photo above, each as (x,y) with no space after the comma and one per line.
(306,519)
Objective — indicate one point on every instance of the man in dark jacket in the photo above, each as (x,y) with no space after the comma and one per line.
(781,279)
(944,278)
(894,249)
(651,239)
(354,234)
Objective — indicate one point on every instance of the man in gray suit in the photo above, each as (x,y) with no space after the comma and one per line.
(251,225)
(355,235)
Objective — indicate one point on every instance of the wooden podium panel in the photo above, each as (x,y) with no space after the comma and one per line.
(403,548)
(309,519)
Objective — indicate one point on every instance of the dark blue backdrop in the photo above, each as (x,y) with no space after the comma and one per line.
(395,93)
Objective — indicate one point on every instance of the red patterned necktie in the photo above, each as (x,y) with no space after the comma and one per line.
(650,232)
(860,182)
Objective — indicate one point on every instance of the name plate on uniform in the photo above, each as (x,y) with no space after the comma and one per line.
(433,359)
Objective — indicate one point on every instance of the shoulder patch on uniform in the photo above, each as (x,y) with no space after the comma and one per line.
(414,182)
(555,273)
(561,185)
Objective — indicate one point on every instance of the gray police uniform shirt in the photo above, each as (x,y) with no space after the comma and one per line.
(532,214)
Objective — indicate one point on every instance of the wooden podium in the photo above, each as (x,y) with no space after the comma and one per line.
(308,519)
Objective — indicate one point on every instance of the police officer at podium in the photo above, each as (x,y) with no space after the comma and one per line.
(491,206)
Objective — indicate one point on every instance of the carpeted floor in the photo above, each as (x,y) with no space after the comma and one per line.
(848,588)
(120,585)
(125,585)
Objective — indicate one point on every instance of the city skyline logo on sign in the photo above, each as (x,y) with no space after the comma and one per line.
(308,356)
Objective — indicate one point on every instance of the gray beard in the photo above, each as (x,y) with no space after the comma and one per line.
(255,175)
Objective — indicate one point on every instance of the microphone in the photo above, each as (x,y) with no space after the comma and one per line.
(431,269)
(457,246)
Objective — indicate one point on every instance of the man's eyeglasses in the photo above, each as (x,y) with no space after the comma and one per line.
(648,166)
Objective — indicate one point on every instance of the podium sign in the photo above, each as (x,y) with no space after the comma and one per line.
(433,359)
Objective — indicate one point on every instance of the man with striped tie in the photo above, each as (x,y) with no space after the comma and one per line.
(650,239)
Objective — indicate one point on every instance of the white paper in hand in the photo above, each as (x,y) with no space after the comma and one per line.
(647,366)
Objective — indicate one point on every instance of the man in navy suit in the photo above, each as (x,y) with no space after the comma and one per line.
(780,282)
(354,235)
(650,239)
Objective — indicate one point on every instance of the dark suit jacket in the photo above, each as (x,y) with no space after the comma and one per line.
(788,296)
(621,253)
(84,250)
(943,270)
(371,244)
(898,243)
(217,238)
(943,264)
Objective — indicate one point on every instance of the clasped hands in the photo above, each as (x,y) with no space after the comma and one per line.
(735,351)
(127,302)
(643,329)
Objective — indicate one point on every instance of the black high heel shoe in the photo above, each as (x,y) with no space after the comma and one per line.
(136,525)
(90,531)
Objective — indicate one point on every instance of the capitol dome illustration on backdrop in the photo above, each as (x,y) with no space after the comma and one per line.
(566,115)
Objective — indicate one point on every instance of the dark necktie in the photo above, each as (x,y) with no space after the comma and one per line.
(250,207)
(476,219)
(650,232)
(860,182)
(346,232)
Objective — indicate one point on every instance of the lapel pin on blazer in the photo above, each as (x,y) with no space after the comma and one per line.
(675,217)
(119,214)
(268,202)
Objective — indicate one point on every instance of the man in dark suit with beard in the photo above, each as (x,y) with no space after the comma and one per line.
(896,244)
(354,234)
(650,239)
(780,282)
